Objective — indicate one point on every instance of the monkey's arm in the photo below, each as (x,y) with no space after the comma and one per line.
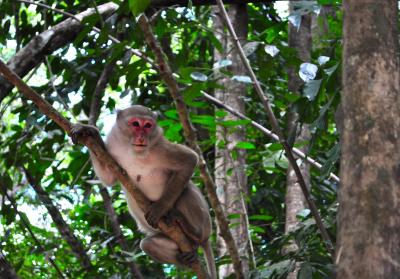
(82,131)
(181,162)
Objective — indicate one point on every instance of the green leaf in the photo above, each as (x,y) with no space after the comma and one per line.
(245,145)
(138,6)
(261,217)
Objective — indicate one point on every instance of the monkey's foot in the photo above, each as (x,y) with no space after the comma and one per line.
(187,258)
(80,132)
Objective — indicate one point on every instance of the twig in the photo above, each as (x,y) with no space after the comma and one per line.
(267,132)
(275,125)
(191,138)
(173,232)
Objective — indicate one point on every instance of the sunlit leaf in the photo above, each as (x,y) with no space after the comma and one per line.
(308,71)
(222,63)
(323,59)
(250,48)
(244,79)
(198,76)
(271,50)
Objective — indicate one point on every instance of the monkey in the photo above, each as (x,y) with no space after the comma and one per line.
(162,170)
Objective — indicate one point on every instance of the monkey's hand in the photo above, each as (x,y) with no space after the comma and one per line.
(156,211)
(80,132)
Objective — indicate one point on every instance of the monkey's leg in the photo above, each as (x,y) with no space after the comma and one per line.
(164,250)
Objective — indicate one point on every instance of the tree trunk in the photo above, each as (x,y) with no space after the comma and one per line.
(6,270)
(369,219)
(230,175)
(300,40)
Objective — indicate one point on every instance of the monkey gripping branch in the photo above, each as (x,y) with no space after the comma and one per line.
(97,147)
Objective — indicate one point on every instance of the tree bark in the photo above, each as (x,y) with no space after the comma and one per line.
(6,270)
(46,43)
(230,174)
(300,40)
(65,231)
(369,219)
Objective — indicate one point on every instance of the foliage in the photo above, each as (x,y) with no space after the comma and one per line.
(29,139)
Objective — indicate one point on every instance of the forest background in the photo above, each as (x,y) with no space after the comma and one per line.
(291,107)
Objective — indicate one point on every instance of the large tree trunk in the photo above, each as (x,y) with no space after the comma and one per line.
(299,39)
(369,219)
(230,176)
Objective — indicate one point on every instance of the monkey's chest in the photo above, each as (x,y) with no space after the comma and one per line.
(150,180)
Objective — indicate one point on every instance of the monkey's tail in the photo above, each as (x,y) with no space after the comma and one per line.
(210,260)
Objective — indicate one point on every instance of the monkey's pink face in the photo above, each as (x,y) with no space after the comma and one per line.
(141,129)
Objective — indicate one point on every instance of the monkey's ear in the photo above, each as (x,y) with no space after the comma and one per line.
(119,113)
(156,114)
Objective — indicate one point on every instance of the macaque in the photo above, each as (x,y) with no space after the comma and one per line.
(162,171)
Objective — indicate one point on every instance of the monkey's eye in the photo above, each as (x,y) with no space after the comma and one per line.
(147,125)
(135,124)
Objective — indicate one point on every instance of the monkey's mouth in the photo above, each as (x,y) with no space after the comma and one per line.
(139,145)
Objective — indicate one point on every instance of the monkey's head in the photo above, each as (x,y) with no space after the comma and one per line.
(138,124)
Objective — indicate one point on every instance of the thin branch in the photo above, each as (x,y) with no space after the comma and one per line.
(269,133)
(191,138)
(93,143)
(27,226)
(275,125)
(65,231)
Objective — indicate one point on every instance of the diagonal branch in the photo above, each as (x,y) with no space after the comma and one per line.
(76,245)
(267,132)
(173,232)
(191,138)
(52,39)
(47,42)
(275,125)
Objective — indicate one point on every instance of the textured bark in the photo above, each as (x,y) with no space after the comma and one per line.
(300,40)
(191,138)
(230,174)
(65,231)
(6,270)
(46,43)
(369,219)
